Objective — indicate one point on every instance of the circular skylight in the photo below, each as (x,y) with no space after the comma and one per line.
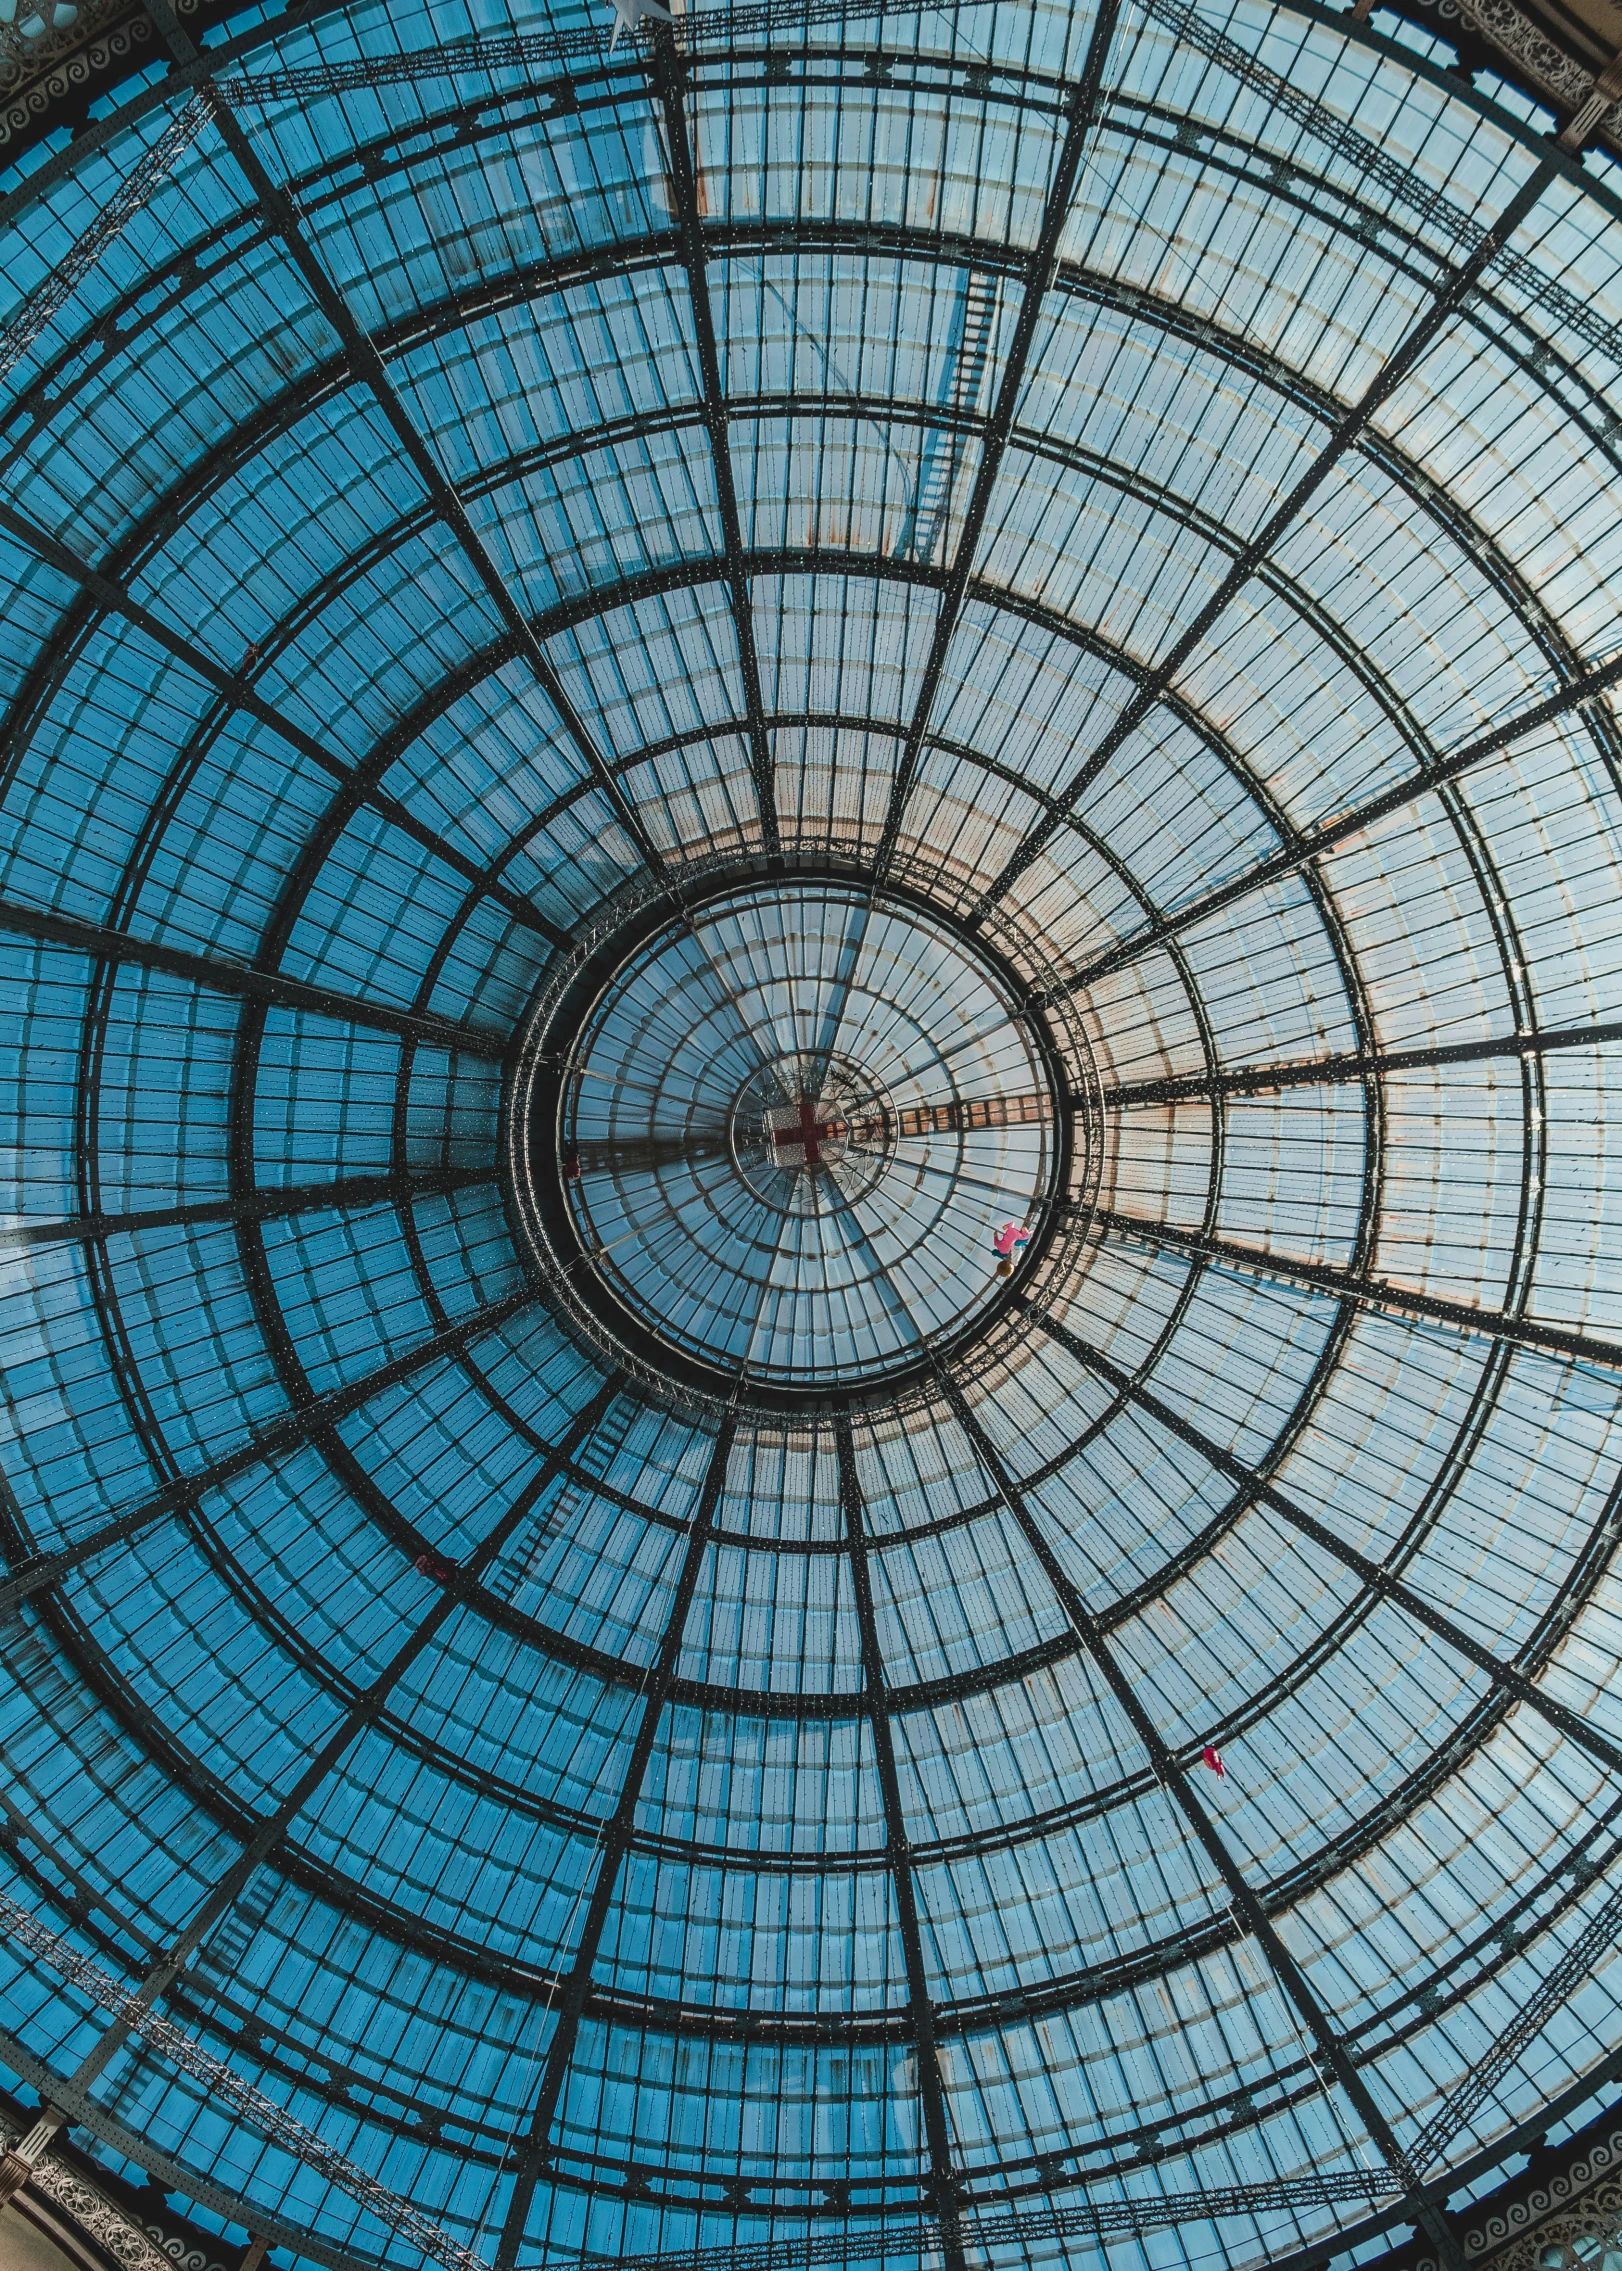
(653,694)
(783,1132)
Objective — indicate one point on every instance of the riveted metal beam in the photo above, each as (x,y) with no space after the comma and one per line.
(1355,1066)
(533,2148)
(1282,1268)
(1035,283)
(276,989)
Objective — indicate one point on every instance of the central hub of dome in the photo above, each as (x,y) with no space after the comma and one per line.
(769,1142)
(810,1130)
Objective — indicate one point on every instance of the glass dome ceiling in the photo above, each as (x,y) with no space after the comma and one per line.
(1022,601)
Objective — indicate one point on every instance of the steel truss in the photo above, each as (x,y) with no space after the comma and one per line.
(945,2229)
(699,31)
(225,2087)
(138,187)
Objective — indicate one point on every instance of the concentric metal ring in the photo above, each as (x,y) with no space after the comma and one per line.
(772,1132)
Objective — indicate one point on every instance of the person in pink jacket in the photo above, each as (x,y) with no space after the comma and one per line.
(1007,1242)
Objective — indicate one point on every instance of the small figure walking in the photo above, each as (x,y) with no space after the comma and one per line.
(1005,1245)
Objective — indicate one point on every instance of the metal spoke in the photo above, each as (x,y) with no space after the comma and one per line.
(276,988)
(304,1426)
(111,595)
(1459,283)
(1354,1066)
(1379,1581)
(1317,843)
(264,1204)
(668,78)
(1375,1293)
(1036,281)
(368,367)
(945,2185)
(1335,2062)
(533,2148)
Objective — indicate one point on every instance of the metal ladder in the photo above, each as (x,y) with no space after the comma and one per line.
(522,1558)
(970,351)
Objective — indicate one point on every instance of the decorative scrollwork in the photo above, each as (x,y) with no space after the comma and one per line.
(123,2239)
(37,75)
(1554,72)
(1573,2222)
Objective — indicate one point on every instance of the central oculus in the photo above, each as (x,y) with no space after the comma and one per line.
(810,1130)
(769,1139)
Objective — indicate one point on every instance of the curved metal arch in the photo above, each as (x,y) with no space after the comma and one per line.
(331,820)
(527,280)
(1025,2001)
(234,2209)
(345,1894)
(142,543)
(632,760)
(222,2014)
(471,121)
(687,574)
